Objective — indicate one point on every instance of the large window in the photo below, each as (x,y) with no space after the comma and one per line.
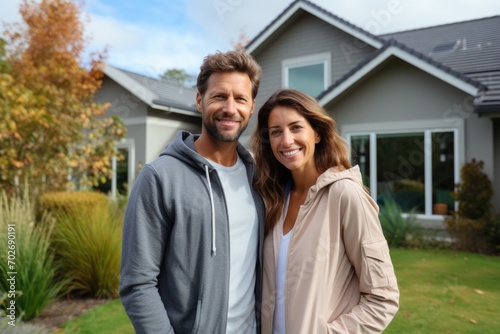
(310,75)
(417,169)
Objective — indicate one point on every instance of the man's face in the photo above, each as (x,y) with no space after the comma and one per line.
(227,105)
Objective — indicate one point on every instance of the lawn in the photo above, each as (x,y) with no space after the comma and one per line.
(441,292)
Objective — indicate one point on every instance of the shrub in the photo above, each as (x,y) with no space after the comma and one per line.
(470,225)
(474,193)
(396,227)
(88,243)
(31,257)
(54,202)
(493,233)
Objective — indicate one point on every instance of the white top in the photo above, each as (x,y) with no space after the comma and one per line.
(243,243)
(279,310)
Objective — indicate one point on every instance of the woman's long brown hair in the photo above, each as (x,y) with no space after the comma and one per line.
(272,176)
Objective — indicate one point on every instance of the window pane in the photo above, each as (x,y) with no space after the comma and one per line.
(443,172)
(121,176)
(360,155)
(308,79)
(401,170)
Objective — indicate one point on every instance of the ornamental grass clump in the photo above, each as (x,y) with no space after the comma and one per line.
(25,258)
(397,228)
(87,242)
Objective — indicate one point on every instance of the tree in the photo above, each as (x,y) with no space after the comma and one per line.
(3,64)
(242,41)
(178,77)
(53,131)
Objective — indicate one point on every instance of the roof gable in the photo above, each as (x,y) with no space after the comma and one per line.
(395,49)
(297,8)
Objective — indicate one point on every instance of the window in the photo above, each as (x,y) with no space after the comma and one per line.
(310,75)
(123,171)
(417,169)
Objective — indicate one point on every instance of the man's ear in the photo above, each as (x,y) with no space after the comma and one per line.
(199,102)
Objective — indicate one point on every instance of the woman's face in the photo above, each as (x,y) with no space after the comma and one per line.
(292,139)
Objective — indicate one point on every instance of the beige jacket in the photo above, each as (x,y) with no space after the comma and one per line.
(339,275)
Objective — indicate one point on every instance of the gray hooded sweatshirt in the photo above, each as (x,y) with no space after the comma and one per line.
(174,275)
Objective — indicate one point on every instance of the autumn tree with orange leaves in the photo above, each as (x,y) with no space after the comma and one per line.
(52,134)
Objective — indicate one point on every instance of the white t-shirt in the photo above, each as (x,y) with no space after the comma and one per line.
(279,310)
(243,243)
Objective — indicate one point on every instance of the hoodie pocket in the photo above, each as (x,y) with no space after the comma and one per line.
(377,263)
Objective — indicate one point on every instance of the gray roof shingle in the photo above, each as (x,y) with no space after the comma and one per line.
(475,53)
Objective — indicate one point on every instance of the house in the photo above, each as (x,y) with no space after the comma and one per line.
(413,106)
(152,110)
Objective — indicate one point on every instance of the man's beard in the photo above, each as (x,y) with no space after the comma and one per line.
(216,134)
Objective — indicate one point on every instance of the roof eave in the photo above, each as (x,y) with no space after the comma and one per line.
(170,108)
(470,87)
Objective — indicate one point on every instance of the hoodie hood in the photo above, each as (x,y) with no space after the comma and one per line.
(182,148)
(333,175)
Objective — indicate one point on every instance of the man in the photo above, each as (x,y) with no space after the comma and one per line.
(193,228)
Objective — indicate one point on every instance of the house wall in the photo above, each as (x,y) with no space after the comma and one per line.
(307,35)
(162,131)
(399,96)
(149,130)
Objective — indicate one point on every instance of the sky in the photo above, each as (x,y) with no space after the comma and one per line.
(152,36)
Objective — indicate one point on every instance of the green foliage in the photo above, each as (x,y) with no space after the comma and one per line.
(493,235)
(74,201)
(397,228)
(87,241)
(30,257)
(474,193)
(471,225)
(179,77)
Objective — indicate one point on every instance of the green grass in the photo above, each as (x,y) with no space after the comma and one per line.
(441,292)
(108,318)
(446,292)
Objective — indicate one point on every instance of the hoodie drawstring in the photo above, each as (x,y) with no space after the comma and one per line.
(214,250)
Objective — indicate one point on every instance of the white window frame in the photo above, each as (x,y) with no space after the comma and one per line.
(427,127)
(319,58)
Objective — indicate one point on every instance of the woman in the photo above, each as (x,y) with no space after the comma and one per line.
(327,267)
